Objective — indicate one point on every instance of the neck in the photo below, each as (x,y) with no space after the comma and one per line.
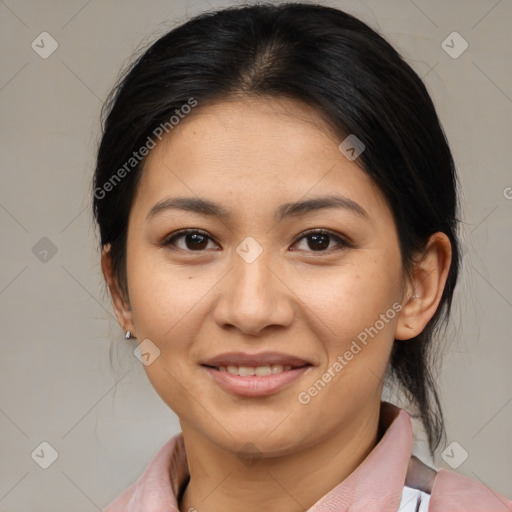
(219,481)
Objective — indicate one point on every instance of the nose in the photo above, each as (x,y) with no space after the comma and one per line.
(254,296)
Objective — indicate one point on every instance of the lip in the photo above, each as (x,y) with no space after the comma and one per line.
(255,385)
(260,359)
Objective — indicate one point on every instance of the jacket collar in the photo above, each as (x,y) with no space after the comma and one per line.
(377,483)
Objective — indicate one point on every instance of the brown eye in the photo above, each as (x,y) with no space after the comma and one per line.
(319,241)
(193,240)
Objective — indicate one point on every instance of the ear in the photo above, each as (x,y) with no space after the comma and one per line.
(120,303)
(424,293)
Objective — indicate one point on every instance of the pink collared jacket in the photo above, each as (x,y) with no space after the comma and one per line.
(388,480)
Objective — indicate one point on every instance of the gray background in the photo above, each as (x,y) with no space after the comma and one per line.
(57,324)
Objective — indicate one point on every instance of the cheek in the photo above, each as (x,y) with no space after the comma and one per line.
(164,297)
(353,308)
(351,297)
(170,304)
(165,308)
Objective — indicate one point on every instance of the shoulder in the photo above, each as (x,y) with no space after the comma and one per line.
(452,491)
(158,486)
(455,492)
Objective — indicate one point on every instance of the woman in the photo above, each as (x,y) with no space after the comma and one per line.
(277,210)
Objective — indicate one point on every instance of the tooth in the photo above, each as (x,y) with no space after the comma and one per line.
(277,368)
(245,371)
(263,370)
(233,370)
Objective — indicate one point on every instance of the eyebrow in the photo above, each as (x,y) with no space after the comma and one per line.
(295,209)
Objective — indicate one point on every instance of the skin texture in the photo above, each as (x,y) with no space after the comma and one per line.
(251,156)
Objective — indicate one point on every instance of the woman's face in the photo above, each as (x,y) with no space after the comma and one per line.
(253,289)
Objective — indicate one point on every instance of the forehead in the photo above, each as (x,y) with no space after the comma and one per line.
(251,151)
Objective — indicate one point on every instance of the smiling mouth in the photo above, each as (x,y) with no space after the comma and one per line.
(258,371)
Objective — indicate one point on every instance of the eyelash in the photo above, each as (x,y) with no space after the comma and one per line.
(169,241)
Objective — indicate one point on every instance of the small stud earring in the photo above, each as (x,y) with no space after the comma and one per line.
(127,335)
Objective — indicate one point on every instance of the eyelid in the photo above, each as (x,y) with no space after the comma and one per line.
(167,241)
(342,240)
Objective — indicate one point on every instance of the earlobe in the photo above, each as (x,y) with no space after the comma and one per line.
(424,293)
(121,306)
